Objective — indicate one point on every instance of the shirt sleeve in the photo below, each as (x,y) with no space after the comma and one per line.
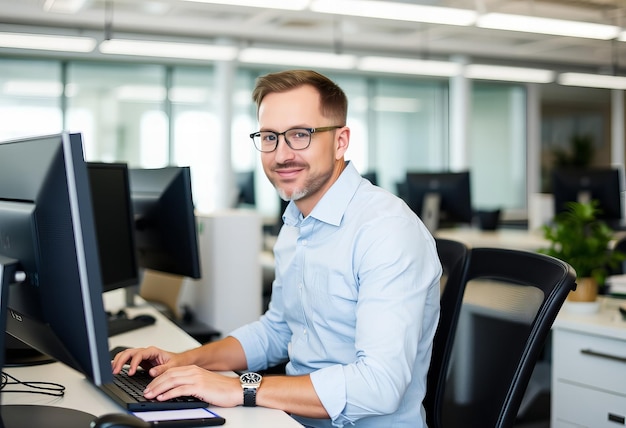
(265,341)
(398,270)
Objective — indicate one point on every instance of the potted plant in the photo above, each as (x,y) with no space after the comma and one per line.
(579,238)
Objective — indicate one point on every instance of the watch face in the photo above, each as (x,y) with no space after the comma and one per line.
(250,378)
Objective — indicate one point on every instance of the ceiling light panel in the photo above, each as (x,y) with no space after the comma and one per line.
(297,58)
(63,6)
(168,49)
(409,66)
(47,42)
(508,74)
(396,11)
(592,80)
(268,4)
(557,27)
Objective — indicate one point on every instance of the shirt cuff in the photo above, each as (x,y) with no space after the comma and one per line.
(252,348)
(330,386)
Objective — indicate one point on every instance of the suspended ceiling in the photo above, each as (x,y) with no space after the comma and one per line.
(252,26)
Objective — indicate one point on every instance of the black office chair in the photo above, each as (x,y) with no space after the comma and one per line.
(511,300)
(454,257)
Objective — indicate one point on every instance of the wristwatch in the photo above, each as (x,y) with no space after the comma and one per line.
(250,382)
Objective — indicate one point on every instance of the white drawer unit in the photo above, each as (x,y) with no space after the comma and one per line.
(589,369)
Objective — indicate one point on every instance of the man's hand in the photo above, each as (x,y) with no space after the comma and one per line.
(153,359)
(208,386)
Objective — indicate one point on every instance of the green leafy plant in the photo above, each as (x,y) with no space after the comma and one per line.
(580,239)
(580,153)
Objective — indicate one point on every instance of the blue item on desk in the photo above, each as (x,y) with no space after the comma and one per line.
(119,420)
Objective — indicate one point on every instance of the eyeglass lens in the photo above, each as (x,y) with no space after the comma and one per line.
(297,139)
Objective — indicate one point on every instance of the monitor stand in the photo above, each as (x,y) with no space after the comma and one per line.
(30,415)
(19,354)
(430,211)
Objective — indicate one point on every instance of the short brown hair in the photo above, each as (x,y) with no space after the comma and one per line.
(333,100)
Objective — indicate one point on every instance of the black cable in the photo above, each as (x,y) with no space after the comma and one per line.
(36,387)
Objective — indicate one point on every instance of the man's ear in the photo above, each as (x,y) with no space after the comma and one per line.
(342,141)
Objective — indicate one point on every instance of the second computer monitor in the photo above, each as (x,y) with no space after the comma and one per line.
(115,230)
(246,190)
(586,184)
(165,223)
(441,199)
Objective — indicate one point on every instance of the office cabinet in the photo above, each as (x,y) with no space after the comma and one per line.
(589,369)
(229,294)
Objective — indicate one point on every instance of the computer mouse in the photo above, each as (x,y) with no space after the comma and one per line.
(119,420)
(148,319)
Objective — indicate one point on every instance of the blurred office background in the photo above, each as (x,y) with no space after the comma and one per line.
(170,107)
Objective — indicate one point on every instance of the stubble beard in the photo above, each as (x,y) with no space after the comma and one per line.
(311,186)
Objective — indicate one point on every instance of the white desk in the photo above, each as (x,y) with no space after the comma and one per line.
(81,394)
(517,239)
(589,368)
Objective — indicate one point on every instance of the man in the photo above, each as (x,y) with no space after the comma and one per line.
(355,302)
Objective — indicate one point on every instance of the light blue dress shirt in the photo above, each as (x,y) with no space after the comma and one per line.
(355,303)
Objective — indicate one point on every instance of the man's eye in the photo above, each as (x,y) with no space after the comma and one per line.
(270,138)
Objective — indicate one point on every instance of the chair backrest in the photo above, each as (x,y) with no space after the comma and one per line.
(163,289)
(454,257)
(511,300)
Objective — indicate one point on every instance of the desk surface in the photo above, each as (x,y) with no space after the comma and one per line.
(606,322)
(518,239)
(81,394)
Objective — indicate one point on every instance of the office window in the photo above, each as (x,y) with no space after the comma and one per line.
(30,98)
(125,112)
(195,130)
(119,109)
(409,127)
(497,147)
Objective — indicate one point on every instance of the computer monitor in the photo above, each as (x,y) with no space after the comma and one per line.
(113,216)
(441,199)
(165,223)
(115,227)
(47,227)
(245,185)
(586,184)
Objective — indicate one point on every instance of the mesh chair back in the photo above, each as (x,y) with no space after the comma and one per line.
(511,300)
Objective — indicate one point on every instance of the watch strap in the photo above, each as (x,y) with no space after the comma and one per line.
(249,397)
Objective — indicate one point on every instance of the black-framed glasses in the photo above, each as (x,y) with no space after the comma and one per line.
(296,138)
